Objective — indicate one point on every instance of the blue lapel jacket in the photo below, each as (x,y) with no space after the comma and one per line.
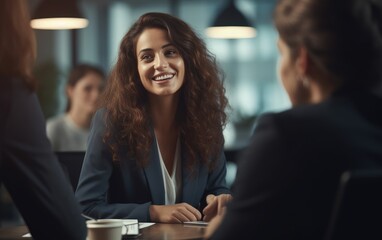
(122,189)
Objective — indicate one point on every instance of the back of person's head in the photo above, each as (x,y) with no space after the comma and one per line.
(79,72)
(342,37)
(17,41)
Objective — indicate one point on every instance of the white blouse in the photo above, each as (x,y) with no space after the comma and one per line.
(173,183)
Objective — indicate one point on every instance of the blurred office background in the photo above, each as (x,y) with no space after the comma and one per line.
(249,65)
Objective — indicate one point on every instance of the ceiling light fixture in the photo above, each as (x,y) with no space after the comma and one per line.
(230,23)
(57,15)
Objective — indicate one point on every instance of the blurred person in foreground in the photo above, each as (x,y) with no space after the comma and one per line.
(331,68)
(70,131)
(155,150)
(28,167)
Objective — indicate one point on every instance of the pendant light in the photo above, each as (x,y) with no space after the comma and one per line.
(230,23)
(58,14)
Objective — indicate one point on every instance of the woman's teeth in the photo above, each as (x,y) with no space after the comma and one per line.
(163,77)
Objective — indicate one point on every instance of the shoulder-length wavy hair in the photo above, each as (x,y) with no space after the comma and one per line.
(201,112)
(17,42)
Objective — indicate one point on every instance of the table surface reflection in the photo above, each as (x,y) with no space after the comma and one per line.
(157,231)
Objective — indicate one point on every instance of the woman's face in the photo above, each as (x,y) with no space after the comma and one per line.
(84,94)
(289,76)
(160,65)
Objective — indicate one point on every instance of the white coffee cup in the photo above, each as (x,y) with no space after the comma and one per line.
(104,229)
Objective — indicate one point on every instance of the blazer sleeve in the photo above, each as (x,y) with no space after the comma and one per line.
(93,186)
(32,174)
(197,186)
(265,190)
(216,183)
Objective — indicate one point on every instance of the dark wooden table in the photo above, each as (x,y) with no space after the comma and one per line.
(157,231)
(13,232)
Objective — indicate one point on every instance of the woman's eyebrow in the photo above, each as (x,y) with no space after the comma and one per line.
(150,49)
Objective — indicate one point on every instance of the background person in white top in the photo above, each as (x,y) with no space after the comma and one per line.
(69,131)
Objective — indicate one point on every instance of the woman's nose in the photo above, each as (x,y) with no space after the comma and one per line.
(160,62)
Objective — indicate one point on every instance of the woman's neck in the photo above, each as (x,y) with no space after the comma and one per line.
(321,90)
(80,119)
(163,112)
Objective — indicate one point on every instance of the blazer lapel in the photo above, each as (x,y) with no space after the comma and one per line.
(154,177)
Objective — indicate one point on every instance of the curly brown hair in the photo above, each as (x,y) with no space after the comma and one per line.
(201,112)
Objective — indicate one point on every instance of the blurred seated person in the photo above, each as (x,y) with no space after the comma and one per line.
(70,131)
(331,68)
(28,167)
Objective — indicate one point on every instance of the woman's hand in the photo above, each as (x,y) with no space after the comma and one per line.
(214,224)
(215,205)
(177,213)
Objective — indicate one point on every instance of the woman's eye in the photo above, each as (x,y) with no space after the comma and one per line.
(146,58)
(171,52)
(88,88)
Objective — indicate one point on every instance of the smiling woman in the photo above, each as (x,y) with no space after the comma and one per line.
(160,66)
(155,150)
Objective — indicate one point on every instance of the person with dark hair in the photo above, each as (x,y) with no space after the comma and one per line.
(331,68)
(70,131)
(155,151)
(28,168)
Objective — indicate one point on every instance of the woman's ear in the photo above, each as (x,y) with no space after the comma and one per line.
(303,62)
(69,91)
(304,67)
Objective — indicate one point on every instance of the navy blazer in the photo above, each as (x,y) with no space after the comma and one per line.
(287,178)
(30,170)
(108,189)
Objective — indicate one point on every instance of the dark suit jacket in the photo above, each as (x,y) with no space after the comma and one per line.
(29,169)
(125,190)
(288,176)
